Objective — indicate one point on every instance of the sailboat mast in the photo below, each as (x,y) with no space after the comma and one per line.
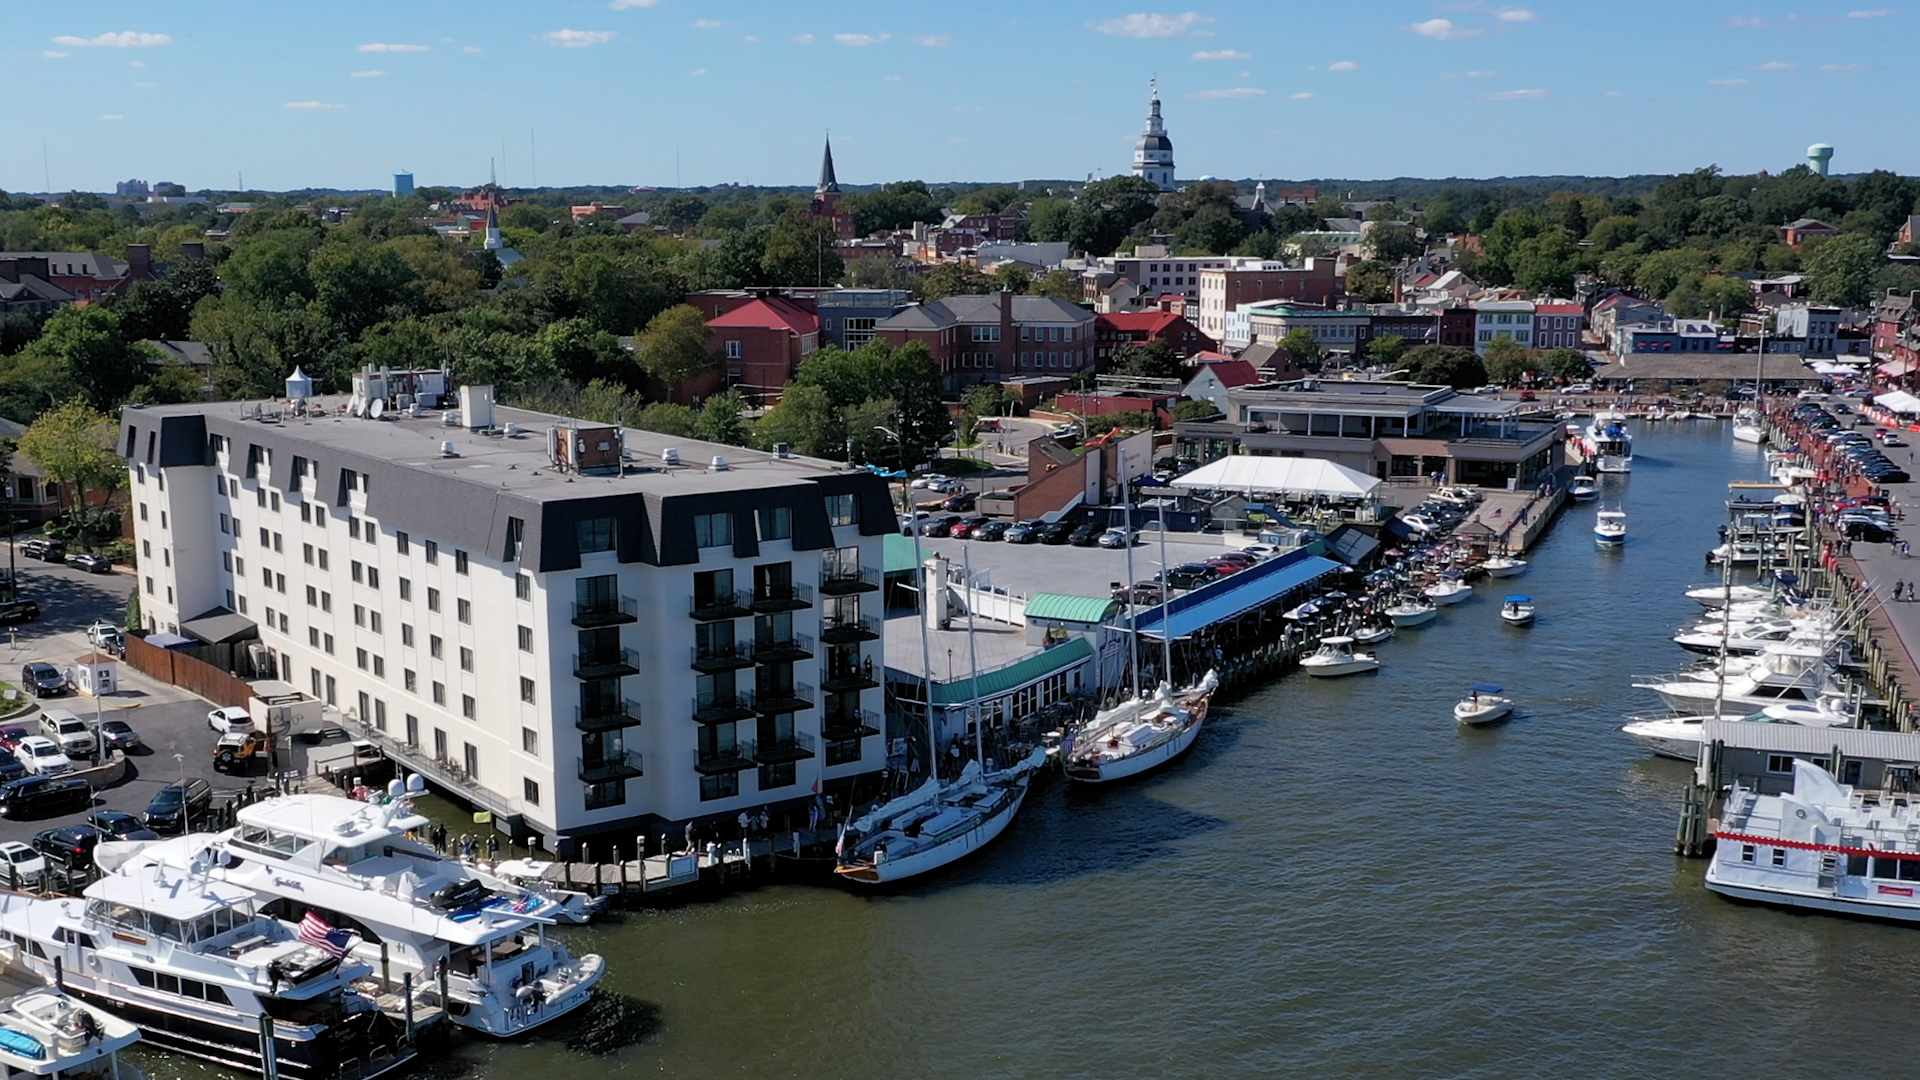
(1133,611)
(926,601)
(973,668)
(1166,598)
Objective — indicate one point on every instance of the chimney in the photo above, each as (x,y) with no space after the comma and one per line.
(139,262)
(194,252)
(10,270)
(1004,350)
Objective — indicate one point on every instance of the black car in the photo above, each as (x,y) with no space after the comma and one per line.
(963,501)
(1869,531)
(90,562)
(1057,533)
(43,679)
(10,767)
(940,526)
(120,825)
(992,530)
(1191,575)
(177,805)
(18,611)
(37,796)
(1086,533)
(69,847)
(50,550)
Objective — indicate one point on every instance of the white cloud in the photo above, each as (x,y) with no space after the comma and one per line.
(1613,93)
(891,78)
(310,105)
(1222,54)
(136,63)
(861,41)
(384,46)
(1728,82)
(1343,65)
(365,74)
(1482,74)
(146,85)
(1515,15)
(804,39)
(697,72)
(1843,67)
(1777,65)
(1443,30)
(622,5)
(1301,96)
(576,39)
(1149,25)
(707,24)
(113,116)
(1878,13)
(934,41)
(1244,75)
(1235,92)
(1746,22)
(125,39)
(1514,95)
(54,54)
(471,49)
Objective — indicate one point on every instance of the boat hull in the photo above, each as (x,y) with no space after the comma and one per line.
(1666,745)
(1448,599)
(1334,671)
(1609,539)
(1106,772)
(1831,905)
(1373,636)
(1414,618)
(1609,463)
(1481,717)
(1749,433)
(1525,619)
(982,833)
(1515,570)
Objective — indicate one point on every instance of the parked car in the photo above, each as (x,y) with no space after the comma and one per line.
(177,805)
(90,562)
(107,636)
(230,718)
(1025,532)
(1868,531)
(992,530)
(42,679)
(929,480)
(10,767)
(120,825)
(35,796)
(11,735)
(50,550)
(120,734)
(1191,575)
(18,611)
(1057,533)
(69,847)
(1116,538)
(1528,395)
(1085,533)
(1262,552)
(67,731)
(1579,388)
(21,864)
(42,756)
(968,527)
(1141,592)
(236,750)
(1226,566)
(963,501)
(940,526)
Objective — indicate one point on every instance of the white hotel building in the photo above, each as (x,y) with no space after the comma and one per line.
(582,628)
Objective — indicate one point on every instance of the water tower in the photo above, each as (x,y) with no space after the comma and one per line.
(1818,155)
(402,184)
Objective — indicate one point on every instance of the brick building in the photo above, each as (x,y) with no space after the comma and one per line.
(978,339)
(1113,330)
(1225,289)
(763,341)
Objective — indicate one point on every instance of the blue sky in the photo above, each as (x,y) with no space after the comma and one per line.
(345,93)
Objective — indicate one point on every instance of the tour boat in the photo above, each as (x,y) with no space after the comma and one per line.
(1138,734)
(1372,635)
(935,825)
(1412,612)
(353,864)
(1582,488)
(1610,528)
(1678,737)
(196,964)
(47,1032)
(1448,590)
(1823,846)
(1482,705)
(1504,566)
(1336,657)
(1787,673)
(1607,444)
(1517,610)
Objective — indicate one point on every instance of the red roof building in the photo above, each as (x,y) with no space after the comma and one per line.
(1110,331)
(763,341)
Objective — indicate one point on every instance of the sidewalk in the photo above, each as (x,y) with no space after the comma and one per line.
(63,649)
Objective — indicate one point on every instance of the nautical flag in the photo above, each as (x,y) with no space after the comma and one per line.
(316,931)
(840,845)
(482,817)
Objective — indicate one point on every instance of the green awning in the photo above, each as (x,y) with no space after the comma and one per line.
(1059,607)
(1020,673)
(899,553)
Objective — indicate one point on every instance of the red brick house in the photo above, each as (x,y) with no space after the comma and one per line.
(1112,330)
(85,274)
(996,337)
(1799,232)
(762,342)
(1456,326)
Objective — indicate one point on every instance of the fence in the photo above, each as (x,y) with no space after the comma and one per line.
(189,673)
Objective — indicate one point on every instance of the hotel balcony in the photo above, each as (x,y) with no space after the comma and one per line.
(722,708)
(726,605)
(605,664)
(735,758)
(608,717)
(842,630)
(844,581)
(729,657)
(794,747)
(857,724)
(601,770)
(782,650)
(768,599)
(846,678)
(608,611)
(782,699)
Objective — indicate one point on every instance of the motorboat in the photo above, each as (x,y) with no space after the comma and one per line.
(935,825)
(1607,443)
(47,1032)
(1822,846)
(1412,612)
(1482,705)
(1610,528)
(1372,635)
(196,964)
(516,876)
(1787,673)
(1714,596)
(1449,590)
(1751,637)
(1679,737)
(1749,426)
(1504,566)
(353,863)
(1517,610)
(1336,657)
(1138,734)
(1583,488)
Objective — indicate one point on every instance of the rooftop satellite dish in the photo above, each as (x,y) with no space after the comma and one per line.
(376,409)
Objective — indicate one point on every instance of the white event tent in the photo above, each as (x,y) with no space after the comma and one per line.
(1898,401)
(1278,476)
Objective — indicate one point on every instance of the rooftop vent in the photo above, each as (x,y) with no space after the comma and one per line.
(449,419)
(447,450)
(513,431)
(719,463)
(670,456)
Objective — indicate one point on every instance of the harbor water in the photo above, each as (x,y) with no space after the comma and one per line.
(1337,881)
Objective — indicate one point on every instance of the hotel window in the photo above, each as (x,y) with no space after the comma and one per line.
(776,523)
(463,610)
(713,530)
(440,694)
(433,598)
(466,706)
(596,534)
(526,639)
(459,561)
(410,680)
(614,793)
(400,543)
(529,741)
(526,690)
(433,645)
(530,792)
(433,553)
(406,589)
(406,634)
(466,658)
(841,510)
(523,587)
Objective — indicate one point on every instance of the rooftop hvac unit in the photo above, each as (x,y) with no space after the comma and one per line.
(450,419)
(446,448)
(670,456)
(782,450)
(476,407)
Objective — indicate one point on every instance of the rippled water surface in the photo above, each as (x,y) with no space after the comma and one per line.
(1337,881)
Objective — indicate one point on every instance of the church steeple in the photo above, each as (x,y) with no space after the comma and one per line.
(1153,154)
(828,185)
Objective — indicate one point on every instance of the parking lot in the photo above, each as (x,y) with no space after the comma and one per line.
(172,724)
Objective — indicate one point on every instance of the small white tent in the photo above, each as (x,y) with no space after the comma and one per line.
(1898,401)
(1278,476)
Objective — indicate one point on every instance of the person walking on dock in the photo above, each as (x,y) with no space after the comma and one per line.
(1898,586)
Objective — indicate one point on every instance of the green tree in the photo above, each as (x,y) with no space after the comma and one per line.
(1210,231)
(1565,364)
(723,420)
(666,418)
(1370,281)
(1611,232)
(1505,361)
(955,279)
(73,444)
(803,420)
(802,250)
(1391,241)
(1663,271)
(1058,283)
(1545,264)
(82,353)
(161,309)
(1387,349)
(1444,365)
(578,351)
(677,346)
(1841,270)
(1154,360)
(1106,211)
(1195,410)
(271,267)
(894,206)
(1301,348)
(358,284)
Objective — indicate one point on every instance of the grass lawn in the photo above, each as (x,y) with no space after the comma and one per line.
(961,466)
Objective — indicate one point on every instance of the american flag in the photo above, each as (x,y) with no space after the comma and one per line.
(527,902)
(317,932)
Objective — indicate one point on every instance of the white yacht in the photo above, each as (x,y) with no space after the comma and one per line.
(195,963)
(1678,737)
(1607,443)
(1415,612)
(1750,637)
(1448,590)
(1372,635)
(1139,735)
(1335,657)
(1786,674)
(1822,846)
(1504,566)
(1749,426)
(935,825)
(1582,488)
(1714,596)
(354,864)
(46,1032)
(1610,528)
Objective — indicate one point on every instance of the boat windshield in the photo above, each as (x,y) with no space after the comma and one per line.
(205,927)
(269,842)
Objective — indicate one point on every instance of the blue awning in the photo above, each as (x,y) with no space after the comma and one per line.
(1236,594)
